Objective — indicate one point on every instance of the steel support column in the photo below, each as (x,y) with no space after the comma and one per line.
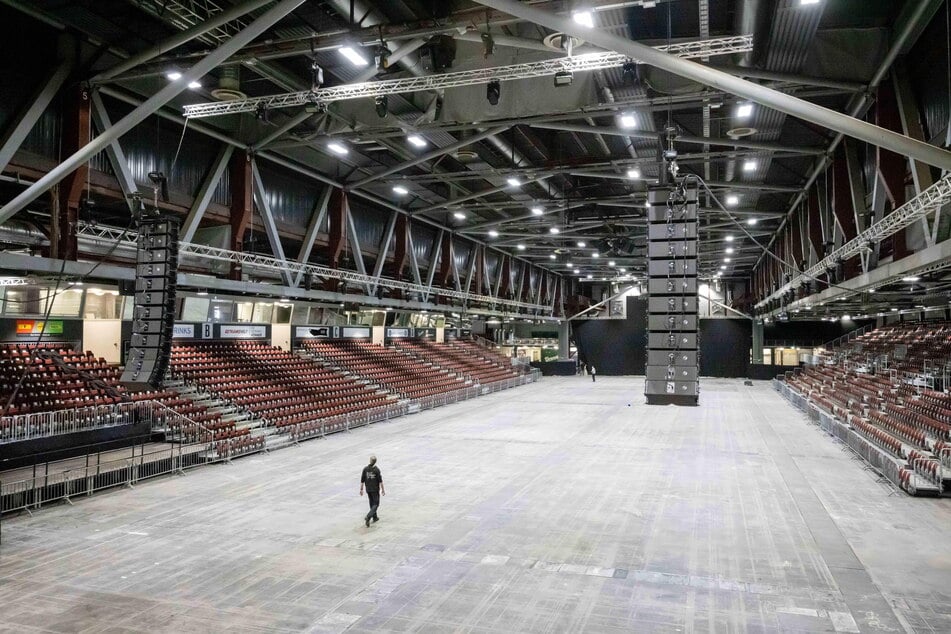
(77,130)
(336,228)
(242,205)
(892,166)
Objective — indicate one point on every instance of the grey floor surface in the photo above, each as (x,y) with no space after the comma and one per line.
(562,506)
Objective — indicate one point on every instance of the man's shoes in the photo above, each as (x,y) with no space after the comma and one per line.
(375,520)
(368,522)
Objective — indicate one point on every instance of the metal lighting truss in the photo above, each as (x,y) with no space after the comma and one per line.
(927,202)
(576,63)
(187,13)
(267,263)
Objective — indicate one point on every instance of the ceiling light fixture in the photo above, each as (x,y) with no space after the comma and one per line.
(554,230)
(493,233)
(612,263)
(730,249)
(552,256)
(417,140)
(596,255)
(520,247)
(353,56)
(752,222)
(726,259)
(194,85)
(732,201)
(173,75)
(584,18)
(729,238)
(590,276)
(538,211)
(399,190)
(911,278)
(337,148)
(577,271)
(514,182)
(744,111)
(749,166)
(628,121)
(633,173)
(581,244)
(459,215)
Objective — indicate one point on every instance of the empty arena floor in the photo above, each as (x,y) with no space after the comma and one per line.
(556,507)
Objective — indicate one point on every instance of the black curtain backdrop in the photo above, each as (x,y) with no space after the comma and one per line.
(615,346)
(725,346)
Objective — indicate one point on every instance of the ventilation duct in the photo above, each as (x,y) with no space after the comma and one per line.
(229,84)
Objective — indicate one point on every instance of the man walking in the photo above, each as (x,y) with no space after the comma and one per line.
(372,479)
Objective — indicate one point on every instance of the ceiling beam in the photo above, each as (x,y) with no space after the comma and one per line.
(768,97)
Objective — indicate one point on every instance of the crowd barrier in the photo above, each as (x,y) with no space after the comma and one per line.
(43,424)
(56,485)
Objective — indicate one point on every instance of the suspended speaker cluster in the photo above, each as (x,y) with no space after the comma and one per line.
(672,328)
(153,317)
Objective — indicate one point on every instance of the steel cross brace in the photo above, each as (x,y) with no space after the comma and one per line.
(274,265)
(577,63)
(918,207)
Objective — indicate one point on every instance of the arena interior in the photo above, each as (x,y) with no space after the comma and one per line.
(642,309)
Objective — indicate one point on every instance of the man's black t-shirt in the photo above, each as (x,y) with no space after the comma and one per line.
(371,478)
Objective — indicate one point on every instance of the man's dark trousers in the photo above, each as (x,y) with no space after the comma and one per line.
(374,497)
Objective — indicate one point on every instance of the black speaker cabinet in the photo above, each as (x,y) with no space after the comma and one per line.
(153,316)
(672,370)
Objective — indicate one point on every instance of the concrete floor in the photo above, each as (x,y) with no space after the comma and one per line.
(562,506)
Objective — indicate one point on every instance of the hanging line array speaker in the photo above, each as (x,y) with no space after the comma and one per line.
(672,326)
(153,318)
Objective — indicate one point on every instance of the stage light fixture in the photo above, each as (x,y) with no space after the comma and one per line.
(493,91)
(563,78)
(382,103)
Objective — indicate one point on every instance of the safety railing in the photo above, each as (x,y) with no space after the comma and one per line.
(62,481)
(38,425)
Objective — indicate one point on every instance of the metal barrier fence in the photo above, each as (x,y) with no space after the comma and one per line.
(83,480)
(29,426)
(86,479)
